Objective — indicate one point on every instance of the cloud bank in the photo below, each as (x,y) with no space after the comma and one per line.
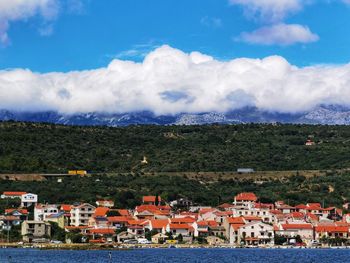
(170,81)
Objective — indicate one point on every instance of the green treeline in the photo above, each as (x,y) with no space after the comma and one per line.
(127,190)
(31,147)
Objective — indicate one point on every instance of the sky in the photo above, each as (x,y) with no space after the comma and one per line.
(172,56)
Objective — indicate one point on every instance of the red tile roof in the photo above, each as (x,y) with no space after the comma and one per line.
(159,223)
(181,226)
(11,210)
(123,212)
(66,208)
(296,226)
(102,231)
(150,198)
(332,229)
(9,193)
(119,219)
(101,211)
(182,220)
(235,220)
(246,197)
(252,218)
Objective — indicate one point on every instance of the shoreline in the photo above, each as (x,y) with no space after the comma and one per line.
(117,246)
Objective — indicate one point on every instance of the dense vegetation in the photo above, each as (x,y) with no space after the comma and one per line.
(127,190)
(29,147)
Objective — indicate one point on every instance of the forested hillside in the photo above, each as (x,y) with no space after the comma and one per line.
(127,190)
(30,147)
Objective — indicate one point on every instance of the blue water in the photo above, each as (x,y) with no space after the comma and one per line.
(176,255)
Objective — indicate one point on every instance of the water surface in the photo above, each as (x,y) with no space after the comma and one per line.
(176,255)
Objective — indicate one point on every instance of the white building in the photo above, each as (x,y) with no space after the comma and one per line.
(80,214)
(41,212)
(29,199)
(256,233)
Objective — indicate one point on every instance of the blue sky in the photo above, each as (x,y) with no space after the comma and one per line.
(96,31)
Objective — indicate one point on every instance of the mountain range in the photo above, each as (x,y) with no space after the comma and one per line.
(327,115)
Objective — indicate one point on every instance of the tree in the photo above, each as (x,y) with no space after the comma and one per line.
(57,233)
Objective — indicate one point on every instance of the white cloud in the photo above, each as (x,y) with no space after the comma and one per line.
(270,10)
(16,10)
(279,34)
(170,81)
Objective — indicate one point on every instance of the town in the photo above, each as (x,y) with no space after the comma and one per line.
(245,222)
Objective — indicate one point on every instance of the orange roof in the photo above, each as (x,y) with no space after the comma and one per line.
(301,206)
(101,211)
(136,222)
(22,211)
(312,216)
(123,212)
(206,210)
(297,214)
(117,219)
(102,231)
(246,197)
(150,198)
(225,205)
(296,226)
(9,193)
(159,223)
(235,220)
(66,208)
(181,226)
(182,220)
(332,229)
(212,223)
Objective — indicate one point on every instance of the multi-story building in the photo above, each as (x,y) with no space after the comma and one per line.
(32,230)
(80,214)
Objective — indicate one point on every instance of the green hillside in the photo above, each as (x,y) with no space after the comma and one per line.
(29,147)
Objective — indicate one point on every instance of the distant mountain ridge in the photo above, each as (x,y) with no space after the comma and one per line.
(327,115)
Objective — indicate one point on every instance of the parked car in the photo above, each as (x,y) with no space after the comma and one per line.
(144,241)
(130,241)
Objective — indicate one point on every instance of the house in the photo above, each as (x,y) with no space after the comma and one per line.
(28,199)
(12,195)
(231,225)
(245,199)
(158,225)
(105,203)
(201,228)
(101,234)
(159,238)
(292,230)
(256,233)
(181,202)
(80,214)
(331,231)
(21,213)
(41,211)
(185,230)
(119,221)
(58,218)
(151,200)
(32,230)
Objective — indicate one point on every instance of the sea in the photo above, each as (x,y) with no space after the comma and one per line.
(175,255)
